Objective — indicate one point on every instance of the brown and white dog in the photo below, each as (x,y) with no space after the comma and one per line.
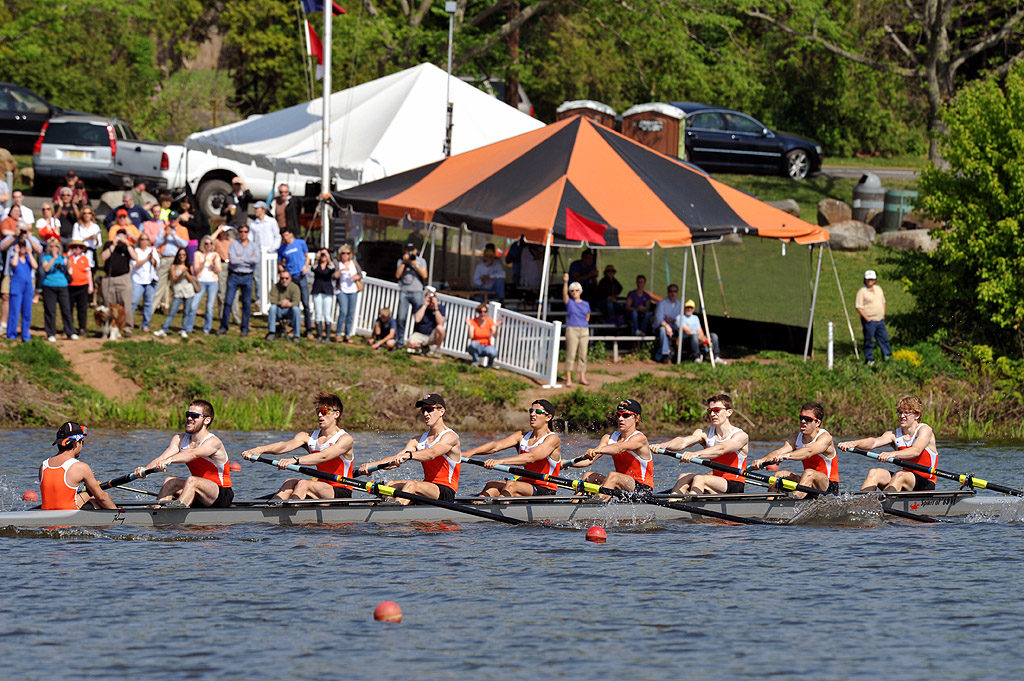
(111,321)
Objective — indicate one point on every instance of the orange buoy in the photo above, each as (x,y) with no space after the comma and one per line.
(234,466)
(30,495)
(597,535)
(387,611)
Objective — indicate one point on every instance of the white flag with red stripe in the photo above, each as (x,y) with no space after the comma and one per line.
(314,48)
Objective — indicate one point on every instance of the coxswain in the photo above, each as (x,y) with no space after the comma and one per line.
(913,441)
(329,448)
(438,450)
(538,451)
(60,475)
(210,481)
(630,452)
(723,443)
(813,447)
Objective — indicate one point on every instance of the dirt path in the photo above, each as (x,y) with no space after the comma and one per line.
(599,374)
(96,369)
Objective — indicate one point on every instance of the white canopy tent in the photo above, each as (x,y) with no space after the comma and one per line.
(378,128)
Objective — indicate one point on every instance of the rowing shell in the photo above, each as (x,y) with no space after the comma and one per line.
(951,504)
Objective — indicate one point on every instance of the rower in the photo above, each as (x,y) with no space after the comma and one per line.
(723,443)
(913,441)
(60,475)
(630,452)
(438,449)
(329,448)
(812,446)
(209,484)
(539,451)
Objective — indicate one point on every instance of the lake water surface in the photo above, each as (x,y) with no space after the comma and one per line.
(671,600)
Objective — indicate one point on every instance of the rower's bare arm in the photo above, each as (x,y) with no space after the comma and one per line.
(495,445)
(819,446)
(99,495)
(165,456)
(342,448)
(775,455)
(541,451)
(886,438)
(921,442)
(448,444)
(684,441)
(282,447)
(733,443)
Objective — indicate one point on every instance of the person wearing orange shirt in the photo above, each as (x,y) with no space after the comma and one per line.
(723,443)
(481,329)
(329,448)
(60,475)
(123,221)
(438,450)
(209,482)
(538,451)
(630,452)
(813,447)
(913,441)
(80,286)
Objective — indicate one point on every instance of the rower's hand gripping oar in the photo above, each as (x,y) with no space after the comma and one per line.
(591,488)
(379,490)
(123,480)
(965,479)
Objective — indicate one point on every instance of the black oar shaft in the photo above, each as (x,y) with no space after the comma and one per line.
(962,478)
(125,479)
(591,488)
(379,490)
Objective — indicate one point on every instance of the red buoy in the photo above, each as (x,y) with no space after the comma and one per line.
(597,535)
(30,495)
(387,611)
(234,466)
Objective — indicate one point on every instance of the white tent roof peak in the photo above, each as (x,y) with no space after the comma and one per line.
(378,128)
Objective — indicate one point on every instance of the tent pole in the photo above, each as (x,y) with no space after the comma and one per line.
(542,301)
(430,272)
(718,272)
(325,131)
(650,280)
(703,309)
(682,294)
(842,299)
(814,299)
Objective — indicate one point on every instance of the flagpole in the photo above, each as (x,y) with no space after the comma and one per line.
(450,7)
(325,159)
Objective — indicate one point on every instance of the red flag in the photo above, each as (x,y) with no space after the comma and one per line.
(579,228)
(314,48)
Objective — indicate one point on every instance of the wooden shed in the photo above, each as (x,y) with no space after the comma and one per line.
(601,114)
(656,125)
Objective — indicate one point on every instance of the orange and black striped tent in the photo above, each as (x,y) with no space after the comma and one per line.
(584,183)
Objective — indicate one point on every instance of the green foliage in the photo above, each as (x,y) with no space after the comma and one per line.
(973,282)
(183,104)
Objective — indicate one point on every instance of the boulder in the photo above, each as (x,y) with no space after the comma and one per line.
(833,210)
(27,175)
(851,235)
(516,418)
(7,163)
(908,240)
(786,205)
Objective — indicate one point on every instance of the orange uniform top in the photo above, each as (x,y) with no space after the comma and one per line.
(734,459)
(441,470)
(213,468)
(629,463)
(78,268)
(828,466)
(57,494)
(545,466)
(928,457)
(337,466)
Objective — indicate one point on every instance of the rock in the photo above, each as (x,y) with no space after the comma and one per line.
(27,175)
(851,235)
(914,221)
(908,240)
(516,418)
(786,205)
(833,210)
(410,393)
(7,163)
(470,422)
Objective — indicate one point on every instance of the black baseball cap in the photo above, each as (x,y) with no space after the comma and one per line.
(629,405)
(430,400)
(70,431)
(410,246)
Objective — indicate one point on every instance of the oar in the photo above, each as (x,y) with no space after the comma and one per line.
(591,488)
(967,479)
(751,473)
(379,490)
(371,469)
(121,482)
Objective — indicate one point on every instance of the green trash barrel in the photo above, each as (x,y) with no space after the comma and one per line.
(898,202)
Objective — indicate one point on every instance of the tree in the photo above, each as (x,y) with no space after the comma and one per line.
(971,288)
(936,44)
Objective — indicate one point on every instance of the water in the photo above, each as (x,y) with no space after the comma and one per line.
(672,600)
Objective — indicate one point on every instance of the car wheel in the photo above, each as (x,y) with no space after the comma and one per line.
(797,164)
(212,196)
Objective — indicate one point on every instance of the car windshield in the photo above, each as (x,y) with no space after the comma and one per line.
(78,134)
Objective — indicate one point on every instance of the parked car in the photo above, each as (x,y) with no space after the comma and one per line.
(102,151)
(22,115)
(732,141)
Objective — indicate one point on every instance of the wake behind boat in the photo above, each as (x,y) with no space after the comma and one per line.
(775,508)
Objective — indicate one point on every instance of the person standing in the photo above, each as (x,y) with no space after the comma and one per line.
(244,257)
(206,265)
(411,273)
(812,446)
(323,292)
(66,213)
(80,285)
(287,209)
(577,330)
(236,205)
(87,231)
(183,290)
(723,443)
(144,280)
(870,304)
(61,474)
(267,236)
(20,269)
(292,255)
(55,292)
(171,237)
(348,277)
(116,287)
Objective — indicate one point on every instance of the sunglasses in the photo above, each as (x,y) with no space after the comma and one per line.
(624,414)
(194,415)
(429,408)
(807,419)
(716,410)
(901,414)
(541,412)
(324,411)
